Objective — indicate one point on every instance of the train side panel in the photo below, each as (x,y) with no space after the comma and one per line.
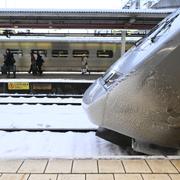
(69,61)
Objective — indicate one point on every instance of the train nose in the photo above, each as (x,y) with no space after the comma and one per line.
(94,102)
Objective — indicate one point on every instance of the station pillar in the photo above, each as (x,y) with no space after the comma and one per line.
(123,42)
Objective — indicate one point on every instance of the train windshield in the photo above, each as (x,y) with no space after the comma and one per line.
(160,28)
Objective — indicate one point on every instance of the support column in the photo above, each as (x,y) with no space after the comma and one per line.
(137,4)
(123,42)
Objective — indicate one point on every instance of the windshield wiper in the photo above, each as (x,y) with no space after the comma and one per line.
(167,24)
(148,34)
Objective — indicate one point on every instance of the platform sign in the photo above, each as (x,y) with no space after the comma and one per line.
(18,86)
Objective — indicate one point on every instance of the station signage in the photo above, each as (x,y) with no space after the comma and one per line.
(18,86)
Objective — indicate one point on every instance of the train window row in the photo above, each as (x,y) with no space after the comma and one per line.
(105,53)
(40,51)
(17,51)
(59,53)
(64,53)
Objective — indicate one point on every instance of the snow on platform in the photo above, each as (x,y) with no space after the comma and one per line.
(43,117)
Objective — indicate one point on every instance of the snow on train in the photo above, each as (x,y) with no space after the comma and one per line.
(61,55)
(139,95)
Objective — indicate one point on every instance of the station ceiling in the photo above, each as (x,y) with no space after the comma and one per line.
(122,19)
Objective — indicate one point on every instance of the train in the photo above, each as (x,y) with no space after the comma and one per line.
(138,97)
(61,55)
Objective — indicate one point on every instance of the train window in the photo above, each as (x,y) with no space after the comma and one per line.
(104,53)
(59,53)
(40,51)
(80,53)
(17,52)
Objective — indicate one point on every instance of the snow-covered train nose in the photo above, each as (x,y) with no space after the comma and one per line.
(94,102)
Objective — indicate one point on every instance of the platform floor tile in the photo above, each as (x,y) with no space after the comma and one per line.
(175,176)
(14,177)
(90,169)
(156,177)
(176,164)
(71,177)
(136,166)
(85,166)
(10,166)
(128,177)
(59,166)
(33,166)
(43,177)
(99,177)
(110,166)
(161,166)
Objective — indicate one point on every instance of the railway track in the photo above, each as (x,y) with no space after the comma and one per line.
(42,103)
(41,99)
(41,95)
(48,129)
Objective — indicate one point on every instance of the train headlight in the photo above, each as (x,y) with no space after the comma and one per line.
(111,77)
(94,92)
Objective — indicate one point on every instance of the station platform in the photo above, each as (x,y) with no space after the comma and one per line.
(54,75)
(137,168)
(48,82)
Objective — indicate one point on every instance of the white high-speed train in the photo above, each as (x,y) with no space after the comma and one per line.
(139,95)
